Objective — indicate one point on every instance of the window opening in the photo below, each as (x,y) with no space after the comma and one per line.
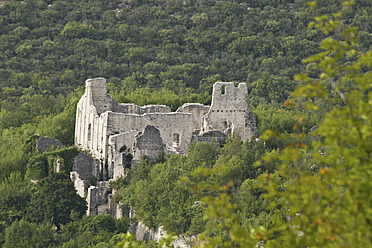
(89,132)
(176,139)
(223,89)
(224,124)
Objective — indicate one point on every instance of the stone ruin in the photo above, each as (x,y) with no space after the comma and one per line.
(47,143)
(117,134)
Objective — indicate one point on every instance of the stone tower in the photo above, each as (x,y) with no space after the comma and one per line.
(229,111)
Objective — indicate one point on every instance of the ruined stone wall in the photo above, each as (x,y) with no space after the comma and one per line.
(98,97)
(85,172)
(132,145)
(130,108)
(175,128)
(98,199)
(79,184)
(229,111)
(45,143)
(92,128)
(119,144)
(197,110)
(90,121)
(148,143)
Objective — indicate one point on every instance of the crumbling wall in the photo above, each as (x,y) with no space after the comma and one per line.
(143,233)
(175,128)
(120,147)
(45,143)
(130,108)
(97,199)
(87,167)
(131,145)
(98,96)
(229,111)
(86,171)
(148,143)
(198,111)
(80,185)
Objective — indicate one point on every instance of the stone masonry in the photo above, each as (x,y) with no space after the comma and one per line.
(116,134)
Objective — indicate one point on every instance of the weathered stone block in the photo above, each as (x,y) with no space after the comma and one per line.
(47,143)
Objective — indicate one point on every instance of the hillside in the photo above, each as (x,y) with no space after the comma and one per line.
(49,48)
(172,52)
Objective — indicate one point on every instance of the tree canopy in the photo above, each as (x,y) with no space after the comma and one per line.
(305,183)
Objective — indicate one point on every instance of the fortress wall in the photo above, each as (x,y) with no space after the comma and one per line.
(99,142)
(79,123)
(168,124)
(197,110)
(148,143)
(98,97)
(130,108)
(155,109)
(115,158)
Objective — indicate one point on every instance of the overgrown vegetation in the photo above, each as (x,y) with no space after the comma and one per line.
(310,189)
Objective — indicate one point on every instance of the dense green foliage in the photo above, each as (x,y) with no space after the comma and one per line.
(171,52)
(49,48)
(55,200)
(319,194)
(161,196)
(36,207)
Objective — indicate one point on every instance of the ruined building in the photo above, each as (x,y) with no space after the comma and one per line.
(117,134)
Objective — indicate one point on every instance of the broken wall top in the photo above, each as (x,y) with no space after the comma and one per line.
(97,94)
(226,96)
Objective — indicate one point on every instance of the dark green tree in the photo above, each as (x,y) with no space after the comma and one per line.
(55,200)
(24,234)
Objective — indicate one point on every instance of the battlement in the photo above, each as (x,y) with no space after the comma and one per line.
(227,88)
(226,96)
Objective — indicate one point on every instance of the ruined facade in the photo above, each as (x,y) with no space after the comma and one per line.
(117,134)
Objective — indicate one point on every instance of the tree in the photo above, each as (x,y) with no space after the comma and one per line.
(77,30)
(14,198)
(23,234)
(331,207)
(320,195)
(55,200)
(101,222)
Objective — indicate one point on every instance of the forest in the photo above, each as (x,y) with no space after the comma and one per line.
(306,181)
